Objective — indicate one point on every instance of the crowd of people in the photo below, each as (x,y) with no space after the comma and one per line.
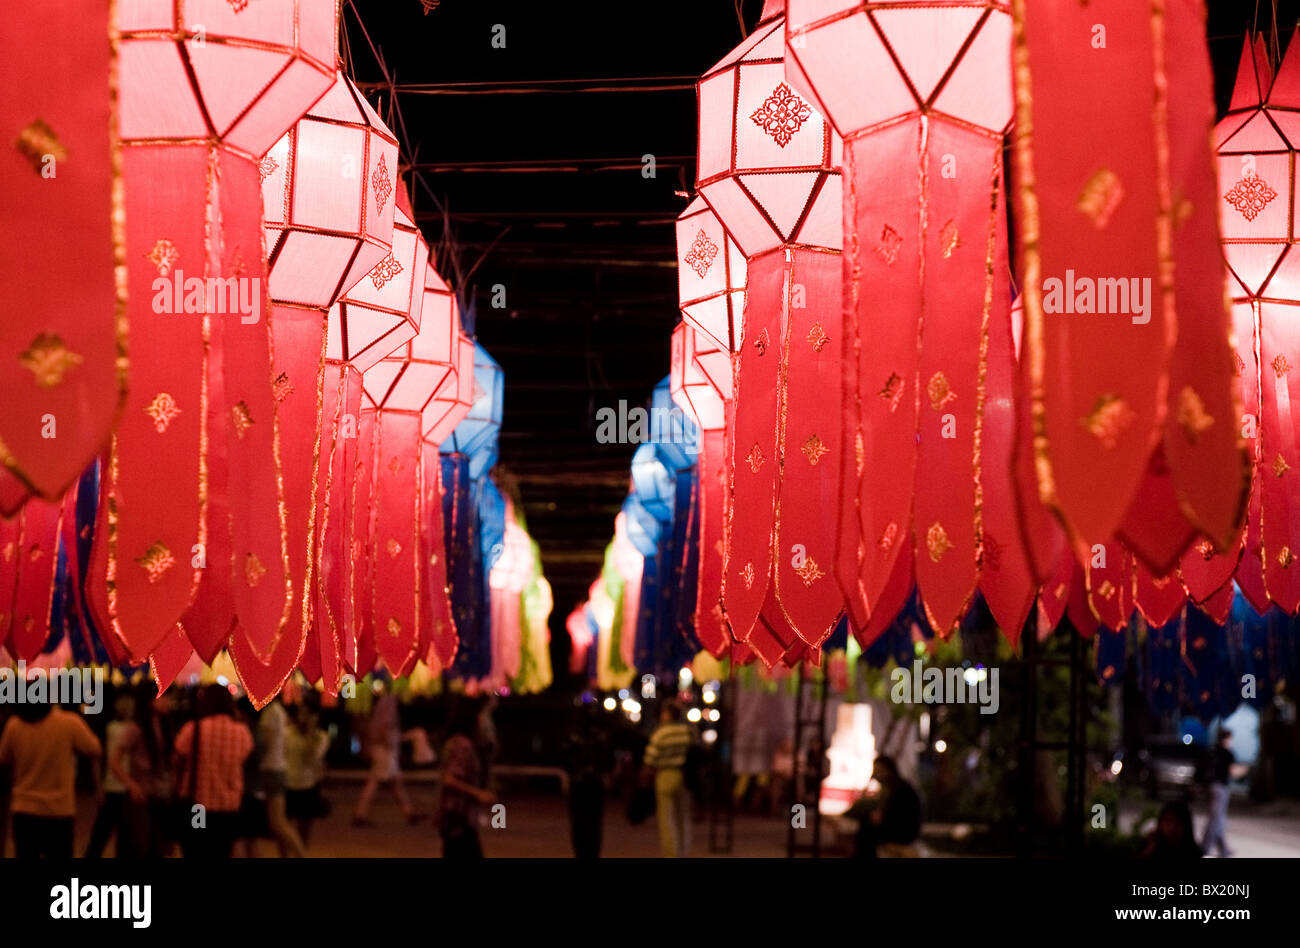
(215,781)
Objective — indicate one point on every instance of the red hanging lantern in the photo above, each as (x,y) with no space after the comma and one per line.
(1127,343)
(370,321)
(63,339)
(328,199)
(921,93)
(206,89)
(701,384)
(768,166)
(1257,143)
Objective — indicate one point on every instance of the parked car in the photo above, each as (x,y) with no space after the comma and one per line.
(1170,768)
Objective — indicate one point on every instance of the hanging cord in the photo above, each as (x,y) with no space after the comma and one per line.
(449,251)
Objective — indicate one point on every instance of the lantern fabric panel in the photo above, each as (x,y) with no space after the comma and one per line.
(1092,213)
(64,340)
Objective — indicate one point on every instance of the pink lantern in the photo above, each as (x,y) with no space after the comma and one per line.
(701,385)
(921,93)
(1257,143)
(328,191)
(205,89)
(710,276)
(223,70)
(370,321)
(768,166)
(64,337)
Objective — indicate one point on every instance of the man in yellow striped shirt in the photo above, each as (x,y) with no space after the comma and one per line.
(666,755)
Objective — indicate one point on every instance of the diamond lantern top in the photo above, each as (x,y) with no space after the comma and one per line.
(327,199)
(769,164)
(481,423)
(701,377)
(409,378)
(864,63)
(242,71)
(1257,142)
(710,276)
(452,401)
(382,312)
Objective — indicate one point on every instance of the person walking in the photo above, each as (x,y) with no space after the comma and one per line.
(111,817)
(665,755)
(210,759)
(384,741)
(305,747)
(39,747)
(272,731)
(142,758)
(1223,768)
(590,759)
(461,791)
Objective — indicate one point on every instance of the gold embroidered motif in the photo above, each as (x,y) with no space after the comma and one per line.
(393,547)
(1238,363)
(281,387)
(163,256)
(948,239)
(241,418)
(1109,418)
(394,627)
(1280,466)
(940,392)
(814,450)
(9,552)
(817,337)
(1280,365)
(38,140)
(433,559)
(253,570)
(809,572)
(1183,211)
(755,458)
(1106,590)
(1192,416)
(1284,557)
(1160,583)
(395,464)
(893,391)
(762,342)
(747,574)
(48,359)
(156,561)
(936,541)
(35,553)
(890,243)
(1100,196)
(163,410)
(887,538)
(1206,549)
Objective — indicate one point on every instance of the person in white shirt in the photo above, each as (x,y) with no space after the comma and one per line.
(110,821)
(272,726)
